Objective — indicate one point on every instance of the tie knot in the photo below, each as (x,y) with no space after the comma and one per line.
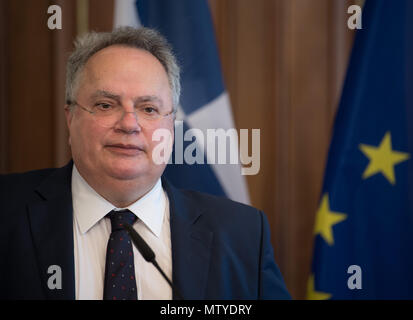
(118,218)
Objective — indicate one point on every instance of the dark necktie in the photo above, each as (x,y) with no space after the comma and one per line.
(120,282)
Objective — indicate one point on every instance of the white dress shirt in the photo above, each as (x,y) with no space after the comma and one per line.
(91,234)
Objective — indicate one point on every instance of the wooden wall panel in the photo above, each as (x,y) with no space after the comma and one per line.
(3,86)
(29,77)
(303,126)
(62,45)
(101,15)
(34,57)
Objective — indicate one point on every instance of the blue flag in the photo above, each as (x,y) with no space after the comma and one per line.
(204,104)
(363,231)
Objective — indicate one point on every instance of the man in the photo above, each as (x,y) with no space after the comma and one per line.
(63,231)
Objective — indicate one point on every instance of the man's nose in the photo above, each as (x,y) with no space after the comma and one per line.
(129,122)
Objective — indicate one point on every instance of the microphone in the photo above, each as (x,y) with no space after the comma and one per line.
(148,254)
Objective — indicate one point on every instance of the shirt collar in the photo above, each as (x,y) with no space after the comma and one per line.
(89,207)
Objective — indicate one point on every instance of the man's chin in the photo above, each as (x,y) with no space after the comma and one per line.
(132,170)
(126,173)
(126,168)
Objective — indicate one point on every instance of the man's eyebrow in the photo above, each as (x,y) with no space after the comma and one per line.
(114,96)
(106,94)
(143,99)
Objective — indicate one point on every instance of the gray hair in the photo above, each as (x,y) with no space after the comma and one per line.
(143,38)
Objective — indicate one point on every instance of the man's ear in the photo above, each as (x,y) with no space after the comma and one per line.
(69,117)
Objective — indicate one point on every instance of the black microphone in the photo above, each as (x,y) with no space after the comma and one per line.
(148,254)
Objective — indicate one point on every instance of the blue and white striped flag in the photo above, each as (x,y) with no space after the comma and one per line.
(204,104)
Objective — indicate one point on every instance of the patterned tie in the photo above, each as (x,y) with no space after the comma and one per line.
(120,283)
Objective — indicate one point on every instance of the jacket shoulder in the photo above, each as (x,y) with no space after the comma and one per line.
(17,187)
(223,210)
(23,180)
(213,200)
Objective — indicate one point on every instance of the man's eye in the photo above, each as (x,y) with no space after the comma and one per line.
(103,106)
(149,110)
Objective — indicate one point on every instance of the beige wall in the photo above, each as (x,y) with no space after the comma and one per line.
(283,63)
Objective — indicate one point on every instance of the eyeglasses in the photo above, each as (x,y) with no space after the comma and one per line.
(107,114)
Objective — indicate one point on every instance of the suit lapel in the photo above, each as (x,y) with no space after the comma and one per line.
(51,223)
(191,245)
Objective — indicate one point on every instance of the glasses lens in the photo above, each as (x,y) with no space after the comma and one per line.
(144,116)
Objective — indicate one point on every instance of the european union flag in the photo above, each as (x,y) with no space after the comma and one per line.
(363,245)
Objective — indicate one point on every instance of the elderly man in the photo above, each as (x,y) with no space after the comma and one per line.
(63,233)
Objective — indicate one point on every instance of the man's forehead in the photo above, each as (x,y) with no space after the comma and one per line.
(121,51)
(101,70)
(131,60)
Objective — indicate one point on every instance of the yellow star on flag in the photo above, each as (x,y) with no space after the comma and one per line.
(382,159)
(315,295)
(325,219)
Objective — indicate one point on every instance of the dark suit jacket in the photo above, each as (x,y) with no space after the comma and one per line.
(220,249)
